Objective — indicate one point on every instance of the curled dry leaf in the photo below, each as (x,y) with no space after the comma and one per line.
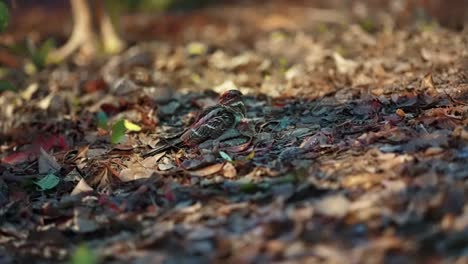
(151,161)
(81,187)
(428,82)
(101,177)
(208,170)
(229,171)
(135,172)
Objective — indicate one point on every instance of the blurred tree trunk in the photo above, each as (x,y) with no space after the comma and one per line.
(450,13)
(84,38)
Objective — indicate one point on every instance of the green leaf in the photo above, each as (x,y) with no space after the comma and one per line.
(284,122)
(101,118)
(84,255)
(47,182)
(118,131)
(39,54)
(131,126)
(155,5)
(225,156)
(250,156)
(368,25)
(248,187)
(196,48)
(289,178)
(278,36)
(6,86)
(283,63)
(40,57)
(4,16)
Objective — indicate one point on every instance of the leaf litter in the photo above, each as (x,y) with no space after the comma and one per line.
(358,152)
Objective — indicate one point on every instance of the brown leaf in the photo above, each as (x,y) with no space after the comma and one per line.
(134,173)
(400,112)
(344,66)
(333,206)
(151,161)
(229,171)
(437,57)
(123,147)
(81,187)
(427,84)
(427,81)
(209,170)
(101,177)
(363,180)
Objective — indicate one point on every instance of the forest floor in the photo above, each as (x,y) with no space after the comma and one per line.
(359,154)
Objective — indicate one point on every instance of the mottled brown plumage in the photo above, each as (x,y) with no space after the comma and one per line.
(210,123)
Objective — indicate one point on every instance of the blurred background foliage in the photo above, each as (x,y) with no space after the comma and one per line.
(159,5)
(37,51)
(127,5)
(4,16)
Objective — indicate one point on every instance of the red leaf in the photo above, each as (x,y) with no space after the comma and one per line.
(94,85)
(110,109)
(105,201)
(18,157)
(46,143)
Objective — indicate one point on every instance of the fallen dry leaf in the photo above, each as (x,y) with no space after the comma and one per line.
(208,170)
(135,172)
(344,66)
(81,187)
(47,163)
(229,171)
(333,205)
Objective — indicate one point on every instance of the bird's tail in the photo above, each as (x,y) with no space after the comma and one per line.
(165,145)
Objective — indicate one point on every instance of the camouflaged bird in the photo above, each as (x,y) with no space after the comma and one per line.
(210,124)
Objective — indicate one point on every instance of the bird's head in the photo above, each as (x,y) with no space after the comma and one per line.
(230,97)
(233,99)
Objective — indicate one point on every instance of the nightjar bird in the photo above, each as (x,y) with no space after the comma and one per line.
(210,124)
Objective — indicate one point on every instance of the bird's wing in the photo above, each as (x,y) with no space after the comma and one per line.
(210,125)
(205,112)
